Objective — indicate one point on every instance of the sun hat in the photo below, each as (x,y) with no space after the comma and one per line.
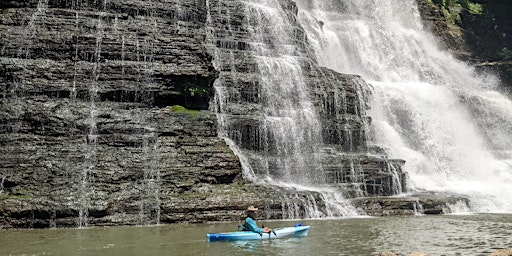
(252,208)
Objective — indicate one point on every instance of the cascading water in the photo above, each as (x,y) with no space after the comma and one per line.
(451,125)
(31,28)
(149,212)
(137,54)
(2,183)
(16,92)
(279,142)
(86,190)
(288,119)
(150,188)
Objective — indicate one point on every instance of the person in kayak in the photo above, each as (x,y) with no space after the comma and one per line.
(250,223)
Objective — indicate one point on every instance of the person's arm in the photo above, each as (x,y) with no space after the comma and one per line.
(251,224)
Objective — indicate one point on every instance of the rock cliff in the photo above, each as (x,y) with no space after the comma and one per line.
(108,116)
(93,132)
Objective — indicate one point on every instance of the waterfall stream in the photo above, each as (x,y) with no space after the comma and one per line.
(279,140)
(137,54)
(451,124)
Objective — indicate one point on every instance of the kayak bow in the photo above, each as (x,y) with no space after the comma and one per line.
(296,231)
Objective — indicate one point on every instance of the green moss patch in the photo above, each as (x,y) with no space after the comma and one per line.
(181,109)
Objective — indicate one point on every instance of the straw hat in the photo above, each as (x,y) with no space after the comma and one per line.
(252,208)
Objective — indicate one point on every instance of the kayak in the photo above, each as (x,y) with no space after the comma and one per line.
(296,231)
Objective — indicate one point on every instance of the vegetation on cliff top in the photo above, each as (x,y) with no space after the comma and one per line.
(485,28)
(486,25)
(451,9)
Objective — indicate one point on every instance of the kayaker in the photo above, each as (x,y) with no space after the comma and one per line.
(250,223)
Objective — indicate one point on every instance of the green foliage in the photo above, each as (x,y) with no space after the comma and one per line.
(506,54)
(450,15)
(195,90)
(451,9)
(475,8)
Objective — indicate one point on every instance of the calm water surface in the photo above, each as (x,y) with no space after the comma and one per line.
(436,235)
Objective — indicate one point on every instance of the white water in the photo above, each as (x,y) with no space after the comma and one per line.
(287,136)
(451,125)
(289,118)
(86,190)
(289,124)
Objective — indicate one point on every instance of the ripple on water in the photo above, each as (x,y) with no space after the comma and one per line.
(477,234)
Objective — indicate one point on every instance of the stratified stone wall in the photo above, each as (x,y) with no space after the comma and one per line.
(104,115)
(88,135)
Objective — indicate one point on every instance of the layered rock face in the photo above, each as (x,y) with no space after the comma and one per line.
(252,56)
(349,159)
(88,133)
(92,133)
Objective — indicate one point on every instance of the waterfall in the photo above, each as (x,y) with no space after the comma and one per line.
(149,187)
(289,128)
(86,190)
(266,112)
(2,183)
(136,55)
(452,125)
(16,92)
(31,29)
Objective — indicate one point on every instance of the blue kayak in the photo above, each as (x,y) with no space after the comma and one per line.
(296,231)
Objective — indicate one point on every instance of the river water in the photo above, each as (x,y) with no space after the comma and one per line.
(477,234)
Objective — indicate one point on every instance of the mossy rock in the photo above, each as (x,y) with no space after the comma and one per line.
(6,197)
(183,110)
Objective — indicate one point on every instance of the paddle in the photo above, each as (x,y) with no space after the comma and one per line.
(271,232)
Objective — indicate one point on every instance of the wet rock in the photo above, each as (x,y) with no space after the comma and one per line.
(340,100)
(91,132)
(88,134)
(424,203)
